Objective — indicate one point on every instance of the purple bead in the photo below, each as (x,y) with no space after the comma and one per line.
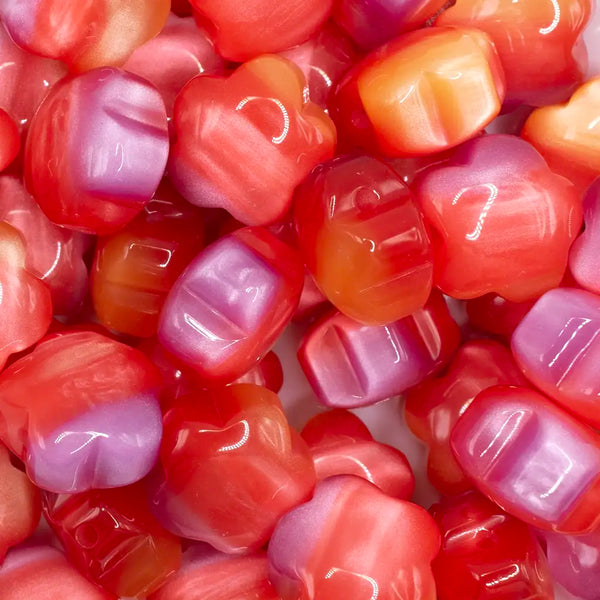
(231,303)
(97,149)
(557,346)
(532,458)
(370,23)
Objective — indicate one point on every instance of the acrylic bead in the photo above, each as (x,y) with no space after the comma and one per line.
(43,573)
(353,541)
(370,23)
(230,467)
(487,554)
(20,505)
(81,411)
(25,303)
(531,458)
(342,445)
(185,48)
(244,142)
(423,92)
(262,26)
(364,239)
(503,221)
(96,150)
(113,539)
(557,346)
(349,364)
(568,136)
(539,43)
(85,35)
(231,303)
(54,254)
(10,140)
(206,573)
(135,268)
(433,407)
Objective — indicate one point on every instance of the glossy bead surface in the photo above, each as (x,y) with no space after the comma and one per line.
(230,467)
(568,136)
(364,239)
(349,364)
(231,303)
(185,48)
(82,412)
(557,345)
(503,221)
(85,35)
(487,554)
(370,23)
(327,547)
(423,92)
(135,268)
(113,539)
(43,573)
(532,458)
(342,445)
(10,140)
(96,150)
(244,142)
(20,505)
(54,254)
(538,42)
(206,573)
(262,27)
(25,303)
(433,407)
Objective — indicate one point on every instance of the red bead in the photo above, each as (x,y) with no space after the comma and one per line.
(230,467)
(243,143)
(135,268)
(364,239)
(502,221)
(342,445)
(113,539)
(433,407)
(10,140)
(487,554)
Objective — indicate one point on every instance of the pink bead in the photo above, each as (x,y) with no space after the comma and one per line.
(349,364)
(185,48)
(353,541)
(10,140)
(231,303)
(96,150)
(531,458)
(54,254)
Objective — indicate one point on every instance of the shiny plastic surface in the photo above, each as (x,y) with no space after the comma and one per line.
(230,467)
(503,221)
(20,505)
(335,546)
(262,26)
(557,345)
(206,573)
(113,539)
(96,150)
(82,412)
(244,142)
(341,445)
(568,136)
(363,238)
(423,92)
(349,364)
(135,268)
(532,458)
(539,43)
(487,554)
(433,407)
(231,303)
(84,34)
